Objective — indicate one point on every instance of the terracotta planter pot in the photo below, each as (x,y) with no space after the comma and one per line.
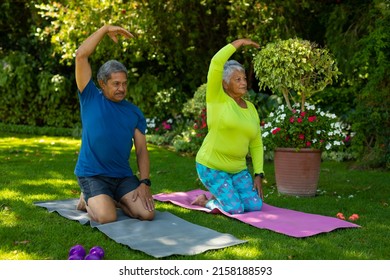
(297,172)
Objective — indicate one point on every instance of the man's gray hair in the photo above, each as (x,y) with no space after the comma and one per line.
(229,67)
(111,66)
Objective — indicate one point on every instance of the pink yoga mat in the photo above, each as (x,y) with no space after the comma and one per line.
(284,221)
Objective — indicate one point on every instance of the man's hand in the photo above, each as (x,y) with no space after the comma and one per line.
(114,31)
(143,193)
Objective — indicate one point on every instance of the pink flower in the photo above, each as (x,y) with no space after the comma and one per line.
(292,119)
(308,144)
(301,136)
(166,126)
(299,120)
(347,138)
(353,217)
(303,114)
(311,119)
(340,216)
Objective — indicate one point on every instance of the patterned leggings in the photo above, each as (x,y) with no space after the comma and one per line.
(233,193)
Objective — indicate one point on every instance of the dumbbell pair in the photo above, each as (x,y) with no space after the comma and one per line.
(78,252)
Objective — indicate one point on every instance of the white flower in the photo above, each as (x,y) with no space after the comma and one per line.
(327,136)
(309,106)
(332,116)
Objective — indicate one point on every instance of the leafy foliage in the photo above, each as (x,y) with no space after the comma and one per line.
(359,35)
(34,99)
(174,43)
(294,65)
(157,60)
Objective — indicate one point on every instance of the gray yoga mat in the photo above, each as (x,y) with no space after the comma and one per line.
(166,235)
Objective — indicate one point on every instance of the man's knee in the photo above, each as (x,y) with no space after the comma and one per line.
(137,211)
(147,215)
(104,218)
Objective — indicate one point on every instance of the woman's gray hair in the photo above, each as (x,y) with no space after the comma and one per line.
(229,67)
(111,66)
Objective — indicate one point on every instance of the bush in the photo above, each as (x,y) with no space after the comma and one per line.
(28,98)
(34,130)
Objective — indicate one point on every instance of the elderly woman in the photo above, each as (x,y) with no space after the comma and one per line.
(234,131)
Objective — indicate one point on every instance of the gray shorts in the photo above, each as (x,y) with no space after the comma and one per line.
(113,187)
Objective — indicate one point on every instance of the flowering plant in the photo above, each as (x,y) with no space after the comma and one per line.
(296,128)
(156,128)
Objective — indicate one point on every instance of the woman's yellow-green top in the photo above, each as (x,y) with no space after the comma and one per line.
(233,131)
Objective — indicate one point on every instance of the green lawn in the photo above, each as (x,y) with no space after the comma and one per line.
(37,168)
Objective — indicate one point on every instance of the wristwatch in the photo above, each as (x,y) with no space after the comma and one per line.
(260,174)
(146,182)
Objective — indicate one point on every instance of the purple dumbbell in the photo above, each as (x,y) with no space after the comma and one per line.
(75,257)
(98,251)
(77,252)
(92,257)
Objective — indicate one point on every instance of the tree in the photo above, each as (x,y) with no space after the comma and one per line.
(295,66)
(359,36)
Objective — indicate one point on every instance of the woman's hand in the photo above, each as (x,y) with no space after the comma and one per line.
(244,42)
(257,185)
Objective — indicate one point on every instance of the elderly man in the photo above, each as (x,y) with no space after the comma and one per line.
(111,125)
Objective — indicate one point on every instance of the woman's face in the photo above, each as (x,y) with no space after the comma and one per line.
(237,85)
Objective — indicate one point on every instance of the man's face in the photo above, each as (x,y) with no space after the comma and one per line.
(116,87)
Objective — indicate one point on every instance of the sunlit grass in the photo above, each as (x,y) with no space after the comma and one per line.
(42,168)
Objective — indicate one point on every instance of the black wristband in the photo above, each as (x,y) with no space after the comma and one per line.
(261,175)
(146,182)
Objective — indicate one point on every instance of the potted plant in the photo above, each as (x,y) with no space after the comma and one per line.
(298,131)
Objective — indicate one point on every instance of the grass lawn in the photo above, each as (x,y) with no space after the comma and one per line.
(37,168)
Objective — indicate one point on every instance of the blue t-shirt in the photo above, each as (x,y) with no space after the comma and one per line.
(107,134)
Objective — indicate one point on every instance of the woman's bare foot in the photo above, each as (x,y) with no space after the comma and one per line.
(82,205)
(200,200)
